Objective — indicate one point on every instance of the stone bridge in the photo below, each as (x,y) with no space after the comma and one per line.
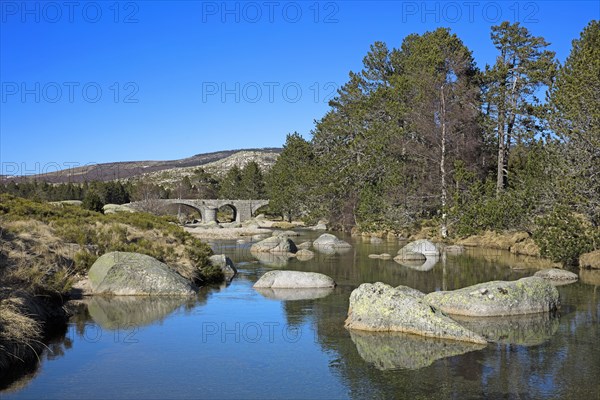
(243,210)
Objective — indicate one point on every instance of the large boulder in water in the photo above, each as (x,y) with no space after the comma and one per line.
(121,273)
(327,239)
(329,243)
(497,298)
(557,276)
(422,246)
(380,307)
(275,244)
(294,279)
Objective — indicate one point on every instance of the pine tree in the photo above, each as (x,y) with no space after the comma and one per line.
(575,118)
(252,182)
(522,68)
(289,180)
(231,184)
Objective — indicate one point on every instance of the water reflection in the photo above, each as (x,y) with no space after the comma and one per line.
(394,350)
(314,356)
(524,330)
(131,311)
(271,259)
(590,276)
(427,265)
(294,294)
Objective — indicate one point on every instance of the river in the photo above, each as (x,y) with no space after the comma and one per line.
(233,342)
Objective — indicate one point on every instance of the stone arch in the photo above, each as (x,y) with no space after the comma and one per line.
(191,205)
(235,210)
(258,204)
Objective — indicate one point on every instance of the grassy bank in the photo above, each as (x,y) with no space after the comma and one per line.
(45,248)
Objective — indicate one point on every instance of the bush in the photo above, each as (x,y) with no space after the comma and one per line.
(563,236)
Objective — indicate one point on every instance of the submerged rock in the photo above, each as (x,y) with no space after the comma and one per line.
(122,273)
(294,279)
(380,307)
(396,350)
(275,244)
(295,294)
(557,276)
(497,298)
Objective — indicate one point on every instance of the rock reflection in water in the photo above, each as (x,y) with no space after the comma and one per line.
(524,330)
(590,276)
(395,350)
(271,259)
(131,311)
(295,294)
(430,262)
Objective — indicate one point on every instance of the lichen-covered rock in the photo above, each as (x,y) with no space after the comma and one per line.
(329,240)
(305,245)
(224,263)
(380,307)
(294,279)
(497,298)
(304,255)
(422,246)
(396,350)
(122,273)
(590,260)
(557,275)
(275,244)
(411,291)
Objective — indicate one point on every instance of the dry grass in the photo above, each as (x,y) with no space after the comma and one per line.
(20,333)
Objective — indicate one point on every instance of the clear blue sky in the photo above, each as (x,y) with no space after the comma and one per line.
(88,82)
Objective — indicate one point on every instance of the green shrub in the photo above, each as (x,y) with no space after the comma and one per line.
(563,236)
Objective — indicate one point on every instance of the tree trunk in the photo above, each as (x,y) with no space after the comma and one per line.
(501,154)
(444,230)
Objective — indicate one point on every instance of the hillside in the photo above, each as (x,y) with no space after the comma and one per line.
(216,162)
(264,158)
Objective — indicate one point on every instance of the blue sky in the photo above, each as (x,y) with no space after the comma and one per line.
(87,82)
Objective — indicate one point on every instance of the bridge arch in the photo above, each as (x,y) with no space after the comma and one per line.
(193,205)
(234,210)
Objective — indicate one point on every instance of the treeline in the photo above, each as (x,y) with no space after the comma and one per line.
(422,133)
(238,183)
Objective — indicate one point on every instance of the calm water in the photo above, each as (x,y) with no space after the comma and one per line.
(233,342)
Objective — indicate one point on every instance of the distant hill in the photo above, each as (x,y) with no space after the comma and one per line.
(217,163)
